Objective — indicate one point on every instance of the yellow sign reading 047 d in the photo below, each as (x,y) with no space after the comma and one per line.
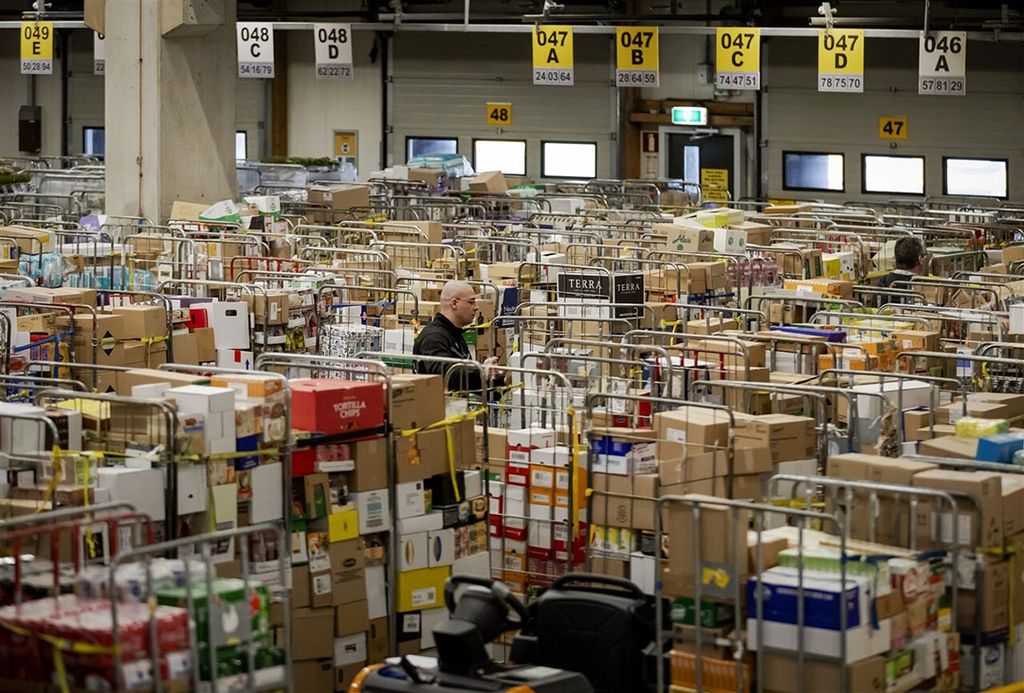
(636,56)
(738,58)
(841,60)
(552,55)
(37,48)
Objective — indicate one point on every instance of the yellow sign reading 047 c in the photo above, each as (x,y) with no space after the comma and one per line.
(738,58)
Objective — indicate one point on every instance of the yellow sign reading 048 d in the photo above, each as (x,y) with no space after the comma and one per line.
(552,55)
(37,48)
(738,58)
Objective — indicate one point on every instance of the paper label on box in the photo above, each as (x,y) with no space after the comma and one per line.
(675,435)
(541,478)
(943,530)
(319,563)
(322,584)
(410,623)
(424,597)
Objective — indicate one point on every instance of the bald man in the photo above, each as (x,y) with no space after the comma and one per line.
(442,336)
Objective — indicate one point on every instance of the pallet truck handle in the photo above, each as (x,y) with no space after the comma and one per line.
(593,578)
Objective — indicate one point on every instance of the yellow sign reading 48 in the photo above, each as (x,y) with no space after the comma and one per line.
(552,55)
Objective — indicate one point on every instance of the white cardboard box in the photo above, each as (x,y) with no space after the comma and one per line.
(143,488)
(442,547)
(414,551)
(411,499)
(374,511)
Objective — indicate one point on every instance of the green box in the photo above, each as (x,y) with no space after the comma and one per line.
(712,614)
(238,621)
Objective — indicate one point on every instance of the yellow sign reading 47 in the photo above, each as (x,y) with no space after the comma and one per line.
(552,55)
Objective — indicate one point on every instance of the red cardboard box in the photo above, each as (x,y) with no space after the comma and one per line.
(336,406)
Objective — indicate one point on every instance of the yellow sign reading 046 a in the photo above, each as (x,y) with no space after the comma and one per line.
(552,55)
(37,48)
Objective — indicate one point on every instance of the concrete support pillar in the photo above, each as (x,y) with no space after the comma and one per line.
(170,104)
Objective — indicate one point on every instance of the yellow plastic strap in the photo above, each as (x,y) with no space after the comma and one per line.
(60,671)
(574,472)
(450,444)
(90,538)
(61,645)
(57,474)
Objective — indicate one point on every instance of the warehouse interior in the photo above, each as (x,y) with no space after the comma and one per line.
(447,346)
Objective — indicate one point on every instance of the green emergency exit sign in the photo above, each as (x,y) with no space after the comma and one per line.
(689,115)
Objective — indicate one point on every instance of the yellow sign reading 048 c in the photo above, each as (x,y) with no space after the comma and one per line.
(499,114)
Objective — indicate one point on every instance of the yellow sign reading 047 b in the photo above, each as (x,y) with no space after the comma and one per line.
(37,48)
(552,55)
(636,56)
(738,58)
(841,60)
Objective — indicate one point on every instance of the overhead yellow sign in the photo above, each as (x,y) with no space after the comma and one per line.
(636,56)
(841,60)
(893,127)
(552,55)
(738,58)
(499,114)
(37,48)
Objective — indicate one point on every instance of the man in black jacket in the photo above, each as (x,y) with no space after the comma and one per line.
(909,253)
(442,336)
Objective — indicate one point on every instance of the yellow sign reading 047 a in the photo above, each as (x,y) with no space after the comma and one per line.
(636,56)
(37,48)
(738,58)
(552,55)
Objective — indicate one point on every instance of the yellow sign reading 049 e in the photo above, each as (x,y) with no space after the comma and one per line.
(552,55)
(636,56)
(892,127)
(499,114)
(738,58)
(37,48)
(841,60)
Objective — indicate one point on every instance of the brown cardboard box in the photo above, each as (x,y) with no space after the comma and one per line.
(994,606)
(300,587)
(916,425)
(370,457)
(645,486)
(690,430)
(613,567)
(686,237)
(788,437)
(271,308)
(43,294)
(348,563)
(610,510)
(729,353)
(205,344)
(1013,504)
(985,488)
(377,640)
(314,675)
(782,674)
(142,321)
(416,400)
(711,325)
(342,196)
(421,455)
(719,537)
(185,347)
(126,380)
(343,676)
(950,446)
(916,340)
(491,181)
(351,618)
(312,633)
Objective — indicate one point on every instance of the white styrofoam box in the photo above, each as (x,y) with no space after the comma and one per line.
(399,340)
(539,534)
(228,423)
(474,483)
(475,564)
(235,358)
(374,510)
(267,504)
(532,437)
(376,594)
(442,547)
(1016,318)
(203,399)
(916,393)
(861,642)
(430,619)
(21,436)
(413,551)
(192,493)
(731,241)
(411,499)
(230,323)
(641,571)
(421,523)
(151,390)
(557,456)
(143,488)
(350,650)
(220,446)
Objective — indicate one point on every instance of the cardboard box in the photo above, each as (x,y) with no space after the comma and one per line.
(342,196)
(351,618)
(416,400)
(1013,504)
(422,455)
(985,488)
(788,437)
(781,674)
(313,675)
(377,640)
(336,406)
(991,603)
(719,538)
(950,446)
(312,633)
(370,458)
(141,321)
(686,237)
(492,182)
(689,431)
(422,589)
(126,380)
(348,563)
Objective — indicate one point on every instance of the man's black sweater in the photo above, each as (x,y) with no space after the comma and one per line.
(440,337)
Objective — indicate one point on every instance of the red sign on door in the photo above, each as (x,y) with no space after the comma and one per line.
(649,144)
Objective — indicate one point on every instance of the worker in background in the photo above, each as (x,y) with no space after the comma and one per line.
(442,336)
(909,254)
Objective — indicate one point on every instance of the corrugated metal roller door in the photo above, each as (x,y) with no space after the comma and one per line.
(983,123)
(443,81)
